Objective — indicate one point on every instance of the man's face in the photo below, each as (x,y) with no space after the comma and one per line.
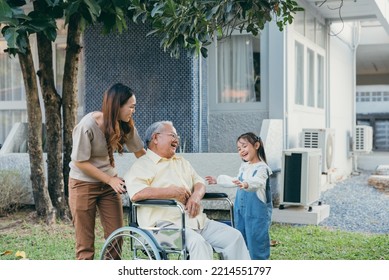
(167,141)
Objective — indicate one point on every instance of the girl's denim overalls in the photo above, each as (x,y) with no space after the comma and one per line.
(253,219)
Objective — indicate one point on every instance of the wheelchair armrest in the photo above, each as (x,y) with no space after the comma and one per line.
(160,202)
(215,195)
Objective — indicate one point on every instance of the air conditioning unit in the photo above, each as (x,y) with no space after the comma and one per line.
(324,139)
(363,139)
(300,177)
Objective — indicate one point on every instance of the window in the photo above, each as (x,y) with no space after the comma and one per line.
(310,27)
(320,81)
(238,70)
(60,53)
(365,96)
(13,106)
(12,94)
(311,78)
(386,96)
(357,96)
(309,61)
(299,90)
(11,80)
(234,74)
(311,93)
(376,96)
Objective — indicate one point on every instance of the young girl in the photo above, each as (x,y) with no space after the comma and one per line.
(253,204)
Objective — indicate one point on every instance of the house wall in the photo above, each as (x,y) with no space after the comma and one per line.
(298,117)
(166,88)
(342,95)
(225,127)
(339,111)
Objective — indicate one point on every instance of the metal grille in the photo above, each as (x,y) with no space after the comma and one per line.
(166,88)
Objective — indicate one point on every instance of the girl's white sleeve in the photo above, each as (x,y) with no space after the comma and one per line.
(226,181)
(257,180)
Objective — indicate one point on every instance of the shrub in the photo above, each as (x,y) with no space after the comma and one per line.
(12,192)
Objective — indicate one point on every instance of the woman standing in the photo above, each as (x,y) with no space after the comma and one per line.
(93,182)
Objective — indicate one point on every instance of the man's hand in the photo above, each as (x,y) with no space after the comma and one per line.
(180,194)
(193,205)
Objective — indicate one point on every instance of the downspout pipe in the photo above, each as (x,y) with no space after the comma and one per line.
(355,43)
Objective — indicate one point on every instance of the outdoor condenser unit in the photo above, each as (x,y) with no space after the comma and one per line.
(324,139)
(363,139)
(300,177)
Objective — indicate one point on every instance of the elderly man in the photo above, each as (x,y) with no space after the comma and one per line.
(161,174)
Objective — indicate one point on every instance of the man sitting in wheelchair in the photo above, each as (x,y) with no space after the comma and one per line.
(161,174)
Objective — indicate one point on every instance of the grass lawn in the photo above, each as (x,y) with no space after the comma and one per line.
(22,232)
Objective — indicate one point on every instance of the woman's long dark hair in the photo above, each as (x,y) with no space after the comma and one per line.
(116,131)
(252,138)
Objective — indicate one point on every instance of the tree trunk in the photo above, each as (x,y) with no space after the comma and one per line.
(42,200)
(52,102)
(69,90)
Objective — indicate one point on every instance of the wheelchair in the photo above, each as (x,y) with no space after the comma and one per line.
(134,243)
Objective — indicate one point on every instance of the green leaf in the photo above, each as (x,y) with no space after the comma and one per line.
(71,10)
(157,9)
(94,8)
(10,35)
(191,40)
(204,52)
(5,11)
(51,33)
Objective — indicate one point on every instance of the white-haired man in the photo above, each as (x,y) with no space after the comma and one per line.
(161,174)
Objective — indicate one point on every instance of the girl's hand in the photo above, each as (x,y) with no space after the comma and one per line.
(210,180)
(241,185)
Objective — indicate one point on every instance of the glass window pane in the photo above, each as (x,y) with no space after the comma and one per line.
(299,88)
(11,79)
(60,51)
(299,22)
(386,96)
(320,81)
(7,119)
(236,73)
(311,78)
(310,27)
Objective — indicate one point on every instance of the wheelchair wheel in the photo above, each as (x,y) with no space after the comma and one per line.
(131,243)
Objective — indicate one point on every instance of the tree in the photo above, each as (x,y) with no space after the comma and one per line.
(188,24)
(194,24)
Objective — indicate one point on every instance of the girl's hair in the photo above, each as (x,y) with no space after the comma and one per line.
(116,131)
(252,138)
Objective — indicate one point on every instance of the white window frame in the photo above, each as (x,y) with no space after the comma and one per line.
(308,45)
(213,87)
